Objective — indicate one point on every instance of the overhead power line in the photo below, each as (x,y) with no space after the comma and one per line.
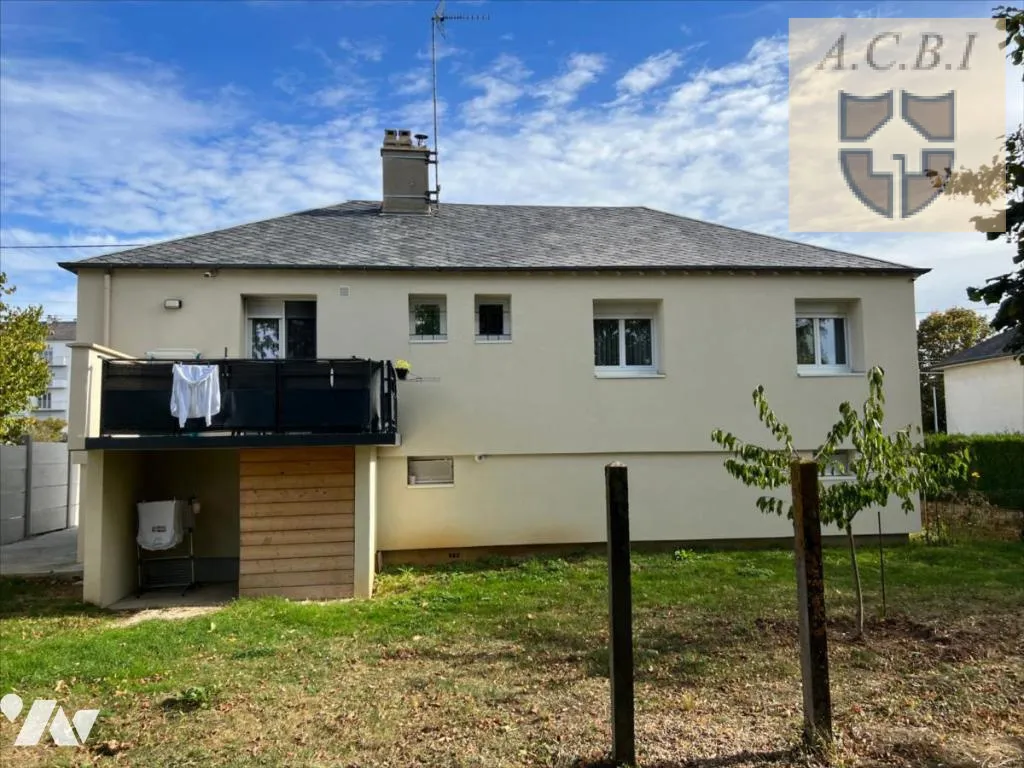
(82,245)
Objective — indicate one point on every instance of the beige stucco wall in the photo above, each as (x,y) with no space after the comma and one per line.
(86,391)
(560,499)
(366,483)
(111,483)
(985,397)
(720,337)
(534,405)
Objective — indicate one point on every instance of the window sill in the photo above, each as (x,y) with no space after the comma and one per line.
(836,478)
(830,374)
(430,485)
(493,341)
(628,375)
(419,340)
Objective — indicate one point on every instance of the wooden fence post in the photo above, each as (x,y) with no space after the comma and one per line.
(620,604)
(810,584)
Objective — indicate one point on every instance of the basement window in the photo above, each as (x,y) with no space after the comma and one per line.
(434,470)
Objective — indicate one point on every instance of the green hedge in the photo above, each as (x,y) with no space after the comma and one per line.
(998,459)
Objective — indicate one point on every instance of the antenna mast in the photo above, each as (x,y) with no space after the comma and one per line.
(437,22)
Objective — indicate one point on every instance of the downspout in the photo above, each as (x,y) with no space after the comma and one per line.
(107,277)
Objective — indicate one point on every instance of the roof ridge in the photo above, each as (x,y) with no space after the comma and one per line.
(783,239)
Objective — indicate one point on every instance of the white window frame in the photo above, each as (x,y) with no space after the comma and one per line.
(268,308)
(45,402)
(447,483)
(441,301)
(506,305)
(817,367)
(262,311)
(623,370)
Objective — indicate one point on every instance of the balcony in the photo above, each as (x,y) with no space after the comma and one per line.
(263,403)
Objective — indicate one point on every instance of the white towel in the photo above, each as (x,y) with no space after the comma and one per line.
(195,392)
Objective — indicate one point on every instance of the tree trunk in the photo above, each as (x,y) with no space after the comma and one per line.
(856,581)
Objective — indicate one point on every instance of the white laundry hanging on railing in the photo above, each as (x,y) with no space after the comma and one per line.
(195,392)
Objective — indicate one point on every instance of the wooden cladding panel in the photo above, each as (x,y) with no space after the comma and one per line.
(265,482)
(296,523)
(297,510)
(286,538)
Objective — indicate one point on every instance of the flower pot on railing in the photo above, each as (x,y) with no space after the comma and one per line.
(402,369)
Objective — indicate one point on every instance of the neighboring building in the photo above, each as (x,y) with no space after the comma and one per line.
(54,403)
(545,342)
(984,388)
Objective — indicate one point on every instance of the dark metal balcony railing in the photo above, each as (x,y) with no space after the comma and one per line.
(351,396)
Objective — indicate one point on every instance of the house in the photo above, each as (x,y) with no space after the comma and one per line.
(984,388)
(544,342)
(53,404)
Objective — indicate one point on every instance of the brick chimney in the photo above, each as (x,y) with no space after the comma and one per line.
(406,165)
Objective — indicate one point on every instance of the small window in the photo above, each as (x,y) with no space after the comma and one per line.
(624,339)
(278,329)
(839,467)
(822,343)
(428,318)
(493,318)
(431,471)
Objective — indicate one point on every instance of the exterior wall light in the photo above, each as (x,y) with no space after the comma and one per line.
(172,303)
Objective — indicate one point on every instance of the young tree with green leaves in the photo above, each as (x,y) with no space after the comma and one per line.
(939,336)
(883,466)
(24,373)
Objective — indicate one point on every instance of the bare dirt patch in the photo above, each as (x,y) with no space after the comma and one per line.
(167,614)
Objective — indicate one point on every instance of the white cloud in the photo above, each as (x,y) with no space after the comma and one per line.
(411,83)
(649,73)
(106,156)
(581,70)
(336,95)
(502,85)
(370,50)
(289,81)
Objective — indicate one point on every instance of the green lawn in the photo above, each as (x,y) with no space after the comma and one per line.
(502,664)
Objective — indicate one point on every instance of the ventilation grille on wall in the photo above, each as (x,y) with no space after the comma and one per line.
(343,290)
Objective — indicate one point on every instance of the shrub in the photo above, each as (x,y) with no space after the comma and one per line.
(996,460)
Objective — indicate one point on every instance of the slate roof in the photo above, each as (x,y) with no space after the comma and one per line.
(989,349)
(354,235)
(62,330)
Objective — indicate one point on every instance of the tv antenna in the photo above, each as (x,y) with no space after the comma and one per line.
(437,25)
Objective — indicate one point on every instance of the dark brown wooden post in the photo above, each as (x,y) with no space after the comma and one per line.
(810,585)
(620,605)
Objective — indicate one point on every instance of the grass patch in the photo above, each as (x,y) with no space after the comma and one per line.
(505,663)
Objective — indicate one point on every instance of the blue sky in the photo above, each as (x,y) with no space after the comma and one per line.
(127,122)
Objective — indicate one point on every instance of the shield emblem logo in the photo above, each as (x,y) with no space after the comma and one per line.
(860,117)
